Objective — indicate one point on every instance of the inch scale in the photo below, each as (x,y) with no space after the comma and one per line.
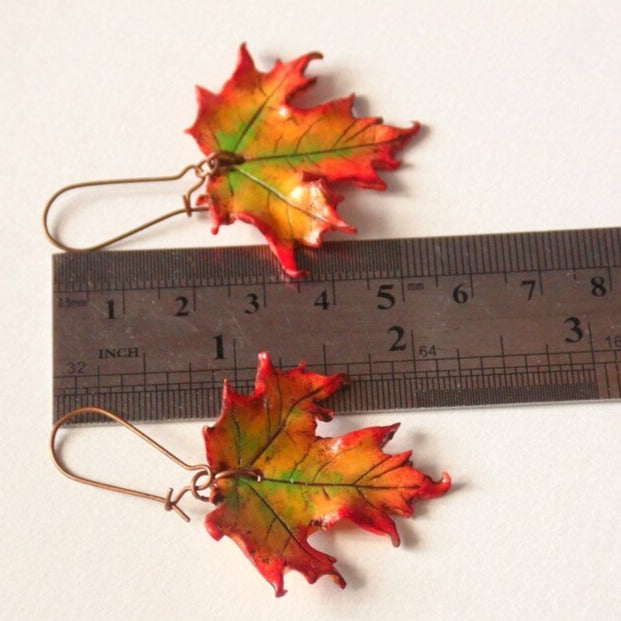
(415,323)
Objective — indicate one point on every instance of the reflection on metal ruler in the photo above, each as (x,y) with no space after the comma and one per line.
(450,321)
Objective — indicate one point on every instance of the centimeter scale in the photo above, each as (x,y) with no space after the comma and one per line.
(415,323)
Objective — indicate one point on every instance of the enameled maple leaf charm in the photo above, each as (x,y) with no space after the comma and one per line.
(289,482)
(273,163)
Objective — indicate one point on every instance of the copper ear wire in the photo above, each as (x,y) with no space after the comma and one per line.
(205,168)
(169,502)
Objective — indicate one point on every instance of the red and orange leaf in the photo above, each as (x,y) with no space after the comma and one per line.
(280,160)
(305,482)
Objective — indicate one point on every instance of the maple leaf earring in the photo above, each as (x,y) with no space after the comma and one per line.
(271,164)
(275,482)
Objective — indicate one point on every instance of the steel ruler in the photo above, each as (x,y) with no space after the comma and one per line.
(415,323)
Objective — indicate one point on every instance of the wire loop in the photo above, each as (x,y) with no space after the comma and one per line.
(202,170)
(170,500)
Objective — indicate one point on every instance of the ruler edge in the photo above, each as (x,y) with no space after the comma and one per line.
(277,276)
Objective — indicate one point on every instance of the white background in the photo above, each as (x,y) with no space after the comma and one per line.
(521,103)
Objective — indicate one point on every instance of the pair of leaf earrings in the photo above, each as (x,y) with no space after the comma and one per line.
(274,481)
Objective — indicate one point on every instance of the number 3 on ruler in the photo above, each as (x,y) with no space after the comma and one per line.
(578,332)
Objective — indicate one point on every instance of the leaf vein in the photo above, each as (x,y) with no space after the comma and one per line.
(260,109)
(291,535)
(381,474)
(304,133)
(299,462)
(281,197)
(366,472)
(237,436)
(308,395)
(362,145)
(348,485)
(363,129)
(344,132)
(367,500)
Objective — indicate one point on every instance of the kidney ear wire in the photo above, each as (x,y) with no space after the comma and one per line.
(170,502)
(204,169)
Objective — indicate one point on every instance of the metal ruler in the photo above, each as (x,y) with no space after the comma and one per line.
(415,323)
